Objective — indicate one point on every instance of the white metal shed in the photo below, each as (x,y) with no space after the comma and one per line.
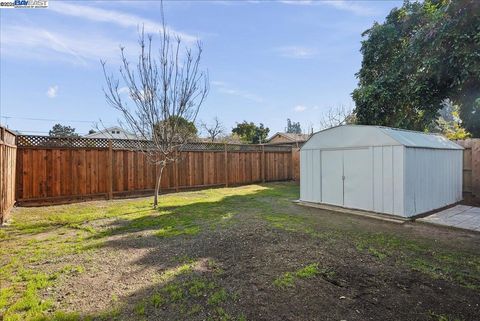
(381,169)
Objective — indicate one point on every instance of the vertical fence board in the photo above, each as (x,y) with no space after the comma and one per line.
(8,172)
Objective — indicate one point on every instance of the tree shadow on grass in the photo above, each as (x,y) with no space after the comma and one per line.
(190,219)
(215,260)
(184,252)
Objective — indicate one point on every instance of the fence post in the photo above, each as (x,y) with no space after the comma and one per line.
(292,164)
(263,163)
(476,168)
(2,180)
(110,171)
(226,164)
(175,170)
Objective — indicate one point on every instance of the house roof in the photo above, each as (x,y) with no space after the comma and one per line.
(107,133)
(291,137)
(348,136)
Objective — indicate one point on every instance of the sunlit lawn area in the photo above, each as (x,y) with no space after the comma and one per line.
(242,253)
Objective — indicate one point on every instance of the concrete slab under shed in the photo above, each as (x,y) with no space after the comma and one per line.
(459,216)
(377,216)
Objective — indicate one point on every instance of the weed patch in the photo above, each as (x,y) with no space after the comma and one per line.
(288,278)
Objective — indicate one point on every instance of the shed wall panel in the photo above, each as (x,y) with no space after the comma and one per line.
(398,180)
(387,179)
(316,176)
(378,179)
(433,179)
(303,175)
(310,176)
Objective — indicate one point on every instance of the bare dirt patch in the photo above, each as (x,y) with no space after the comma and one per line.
(226,269)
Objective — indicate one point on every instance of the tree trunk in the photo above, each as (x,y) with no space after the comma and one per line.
(157,187)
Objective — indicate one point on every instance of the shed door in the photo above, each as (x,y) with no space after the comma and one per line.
(332,173)
(358,179)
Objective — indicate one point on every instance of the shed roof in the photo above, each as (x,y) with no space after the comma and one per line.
(348,136)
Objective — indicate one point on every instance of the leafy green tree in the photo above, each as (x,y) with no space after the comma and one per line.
(293,127)
(183,127)
(251,133)
(59,130)
(423,53)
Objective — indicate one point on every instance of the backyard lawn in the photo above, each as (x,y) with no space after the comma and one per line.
(243,253)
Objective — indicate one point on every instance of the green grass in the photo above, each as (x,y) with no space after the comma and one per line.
(423,256)
(307,272)
(140,308)
(419,254)
(287,279)
(191,296)
(442,317)
(37,236)
(218,297)
(41,234)
(198,287)
(157,300)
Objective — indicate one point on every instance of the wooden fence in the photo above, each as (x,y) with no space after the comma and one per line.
(59,170)
(8,152)
(471,169)
(53,170)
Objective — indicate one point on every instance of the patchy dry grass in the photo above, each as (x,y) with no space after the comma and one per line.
(36,235)
(213,255)
(420,254)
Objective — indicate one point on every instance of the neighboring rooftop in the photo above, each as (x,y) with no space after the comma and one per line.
(114,132)
(288,138)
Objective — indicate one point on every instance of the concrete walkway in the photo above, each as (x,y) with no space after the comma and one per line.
(460,216)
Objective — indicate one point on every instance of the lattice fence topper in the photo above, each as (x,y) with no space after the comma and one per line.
(61,142)
(132,144)
(81,142)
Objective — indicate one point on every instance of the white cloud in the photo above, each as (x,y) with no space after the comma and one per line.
(45,45)
(298,2)
(300,108)
(297,52)
(115,17)
(52,91)
(354,7)
(123,90)
(224,88)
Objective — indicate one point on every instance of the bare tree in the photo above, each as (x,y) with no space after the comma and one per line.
(337,116)
(214,130)
(230,139)
(167,88)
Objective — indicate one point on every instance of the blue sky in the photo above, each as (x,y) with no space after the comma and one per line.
(267,60)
